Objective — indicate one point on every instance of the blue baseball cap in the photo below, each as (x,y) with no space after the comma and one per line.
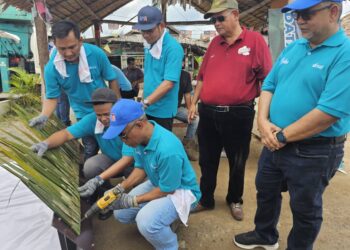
(147,18)
(305,4)
(122,113)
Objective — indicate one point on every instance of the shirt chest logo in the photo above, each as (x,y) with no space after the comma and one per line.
(318,66)
(245,51)
(284,61)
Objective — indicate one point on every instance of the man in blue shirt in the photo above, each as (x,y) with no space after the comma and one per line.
(171,189)
(303,119)
(116,157)
(162,67)
(77,69)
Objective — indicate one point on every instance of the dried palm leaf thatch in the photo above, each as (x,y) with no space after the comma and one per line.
(54,177)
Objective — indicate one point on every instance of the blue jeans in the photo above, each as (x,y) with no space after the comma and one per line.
(305,170)
(182,114)
(153,218)
(62,109)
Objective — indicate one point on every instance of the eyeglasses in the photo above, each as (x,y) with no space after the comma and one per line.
(220,18)
(124,135)
(306,15)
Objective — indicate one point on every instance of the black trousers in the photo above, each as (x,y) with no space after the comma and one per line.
(230,129)
(164,122)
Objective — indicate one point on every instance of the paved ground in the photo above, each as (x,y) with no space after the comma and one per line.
(215,229)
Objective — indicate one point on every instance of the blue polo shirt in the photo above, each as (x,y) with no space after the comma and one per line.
(303,79)
(114,148)
(165,162)
(123,82)
(78,92)
(168,67)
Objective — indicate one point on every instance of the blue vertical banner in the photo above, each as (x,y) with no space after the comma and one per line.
(291,29)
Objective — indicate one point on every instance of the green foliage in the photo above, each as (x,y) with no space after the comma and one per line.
(54,177)
(26,86)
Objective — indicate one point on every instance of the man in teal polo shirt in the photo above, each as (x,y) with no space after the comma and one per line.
(116,157)
(171,189)
(303,119)
(162,67)
(78,69)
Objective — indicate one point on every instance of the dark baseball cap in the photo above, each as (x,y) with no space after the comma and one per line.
(147,18)
(102,95)
(305,4)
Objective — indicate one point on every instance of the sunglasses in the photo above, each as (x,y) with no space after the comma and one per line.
(306,15)
(220,18)
(124,135)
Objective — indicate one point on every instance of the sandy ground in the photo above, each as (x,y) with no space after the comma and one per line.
(215,229)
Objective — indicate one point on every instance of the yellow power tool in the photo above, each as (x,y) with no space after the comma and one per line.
(102,203)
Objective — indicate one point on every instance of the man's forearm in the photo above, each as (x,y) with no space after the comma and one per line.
(117,167)
(309,125)
(136,177)
(197,92)
(159,92)
(59,138)
(264,105)
(152,195)
(113,85)
(187,97)
(49,107)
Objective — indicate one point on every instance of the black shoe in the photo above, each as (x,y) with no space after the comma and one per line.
(250,241)
(105,215)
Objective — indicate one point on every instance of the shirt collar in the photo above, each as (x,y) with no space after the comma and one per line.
(240,37)
(334,40)
(155,138)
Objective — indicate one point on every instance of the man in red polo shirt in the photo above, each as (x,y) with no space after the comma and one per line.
(236,62)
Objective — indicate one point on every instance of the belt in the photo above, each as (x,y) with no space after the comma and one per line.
(221,108)
(323,140)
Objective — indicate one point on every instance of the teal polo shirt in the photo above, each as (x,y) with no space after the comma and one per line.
(124,83)
(78,92)
(168,67)
(114,148)
(304,79)
(165,162)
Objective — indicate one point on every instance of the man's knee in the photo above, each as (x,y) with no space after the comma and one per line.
(90,168)
(124,216)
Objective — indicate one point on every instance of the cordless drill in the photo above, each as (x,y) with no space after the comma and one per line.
(102,203)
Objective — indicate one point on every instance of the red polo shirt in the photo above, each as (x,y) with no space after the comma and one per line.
(232,74)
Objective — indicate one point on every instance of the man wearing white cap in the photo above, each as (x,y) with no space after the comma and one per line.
(304,116)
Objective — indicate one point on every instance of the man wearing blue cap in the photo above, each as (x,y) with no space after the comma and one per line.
(304,115)
(171,189)
(162,67)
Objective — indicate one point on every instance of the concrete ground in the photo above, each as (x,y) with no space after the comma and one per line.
(215,229)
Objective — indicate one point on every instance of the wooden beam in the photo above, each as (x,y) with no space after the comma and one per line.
(252,9)
(42,44)
(199,22)
(87,8)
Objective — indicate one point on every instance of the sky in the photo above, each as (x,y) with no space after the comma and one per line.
(175,13)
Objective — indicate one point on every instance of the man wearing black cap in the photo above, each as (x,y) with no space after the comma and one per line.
(304,115)
(95,124)
(162,67)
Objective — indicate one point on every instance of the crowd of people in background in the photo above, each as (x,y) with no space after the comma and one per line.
(303,118)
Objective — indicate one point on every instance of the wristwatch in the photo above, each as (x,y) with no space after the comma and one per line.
(145,103)
(280,137)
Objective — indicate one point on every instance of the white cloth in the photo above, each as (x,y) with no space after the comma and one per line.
(99,127)
(25,221)
(156,49)
(182,200)
(83,67)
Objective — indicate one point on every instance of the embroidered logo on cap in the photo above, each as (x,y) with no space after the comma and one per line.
(143,19)
(113,117)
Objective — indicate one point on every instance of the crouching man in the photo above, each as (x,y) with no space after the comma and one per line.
(171,189)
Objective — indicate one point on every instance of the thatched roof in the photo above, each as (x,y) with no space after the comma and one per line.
(86,12)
